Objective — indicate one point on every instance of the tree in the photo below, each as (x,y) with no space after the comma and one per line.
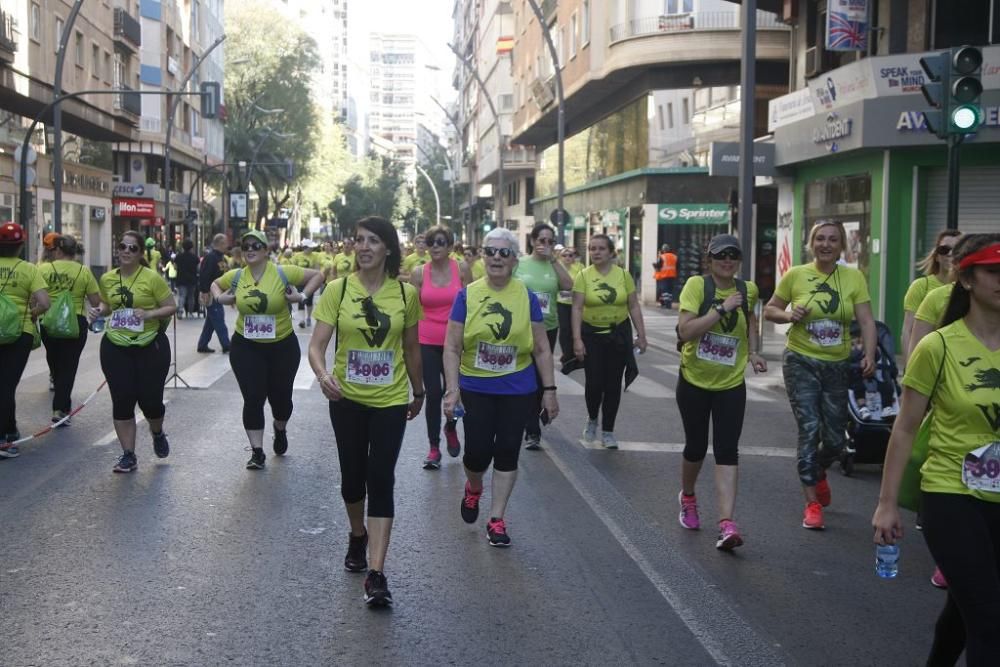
(330,169)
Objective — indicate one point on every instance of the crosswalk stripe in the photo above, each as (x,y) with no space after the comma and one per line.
(304,376)
(753,394)
(203,374)
(647,388)
(111,437)
(568,386)
(678,447)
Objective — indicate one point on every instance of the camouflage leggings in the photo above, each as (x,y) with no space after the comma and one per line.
(817,391)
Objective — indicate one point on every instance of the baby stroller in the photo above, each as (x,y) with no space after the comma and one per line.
(872,404)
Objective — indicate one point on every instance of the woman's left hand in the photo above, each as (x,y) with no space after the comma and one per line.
(868,366)
(414,409)
(551,404)
(140,313)
(758,363)
(640,343)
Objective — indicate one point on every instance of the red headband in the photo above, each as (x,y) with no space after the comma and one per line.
(988,255)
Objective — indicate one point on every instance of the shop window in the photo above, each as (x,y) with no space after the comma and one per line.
(956,28)
(847,200)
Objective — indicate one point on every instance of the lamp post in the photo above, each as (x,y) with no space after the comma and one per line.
(57,169)
(437,200)
(454,169)
(747,94)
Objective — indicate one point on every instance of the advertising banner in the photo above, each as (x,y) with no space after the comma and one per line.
(135,208)
(847,25)
(693,214)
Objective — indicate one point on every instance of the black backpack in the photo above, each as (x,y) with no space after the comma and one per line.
(709,297)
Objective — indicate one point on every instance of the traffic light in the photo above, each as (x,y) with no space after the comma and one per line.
(954,90)
(211,98)
(937,69)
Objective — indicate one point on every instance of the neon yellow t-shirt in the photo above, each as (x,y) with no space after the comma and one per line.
(605,297)
(566,296)
(153,257)
(413,261)
(369,362)
(932,308)
(718,359)
(18,281)
(144,289)
(965,405)
(343,264)
(497,336)
(918,290)
(306,261)
(478,269)
(263,302)
(825,332)
(63,275)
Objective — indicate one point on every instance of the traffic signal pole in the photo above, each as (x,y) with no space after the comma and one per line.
(954,151)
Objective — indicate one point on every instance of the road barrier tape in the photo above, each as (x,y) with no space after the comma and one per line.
(62,421)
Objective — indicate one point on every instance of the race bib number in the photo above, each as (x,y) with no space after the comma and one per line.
(259,327)
(125,318)
(371,367)
(543,301)
(826,333)
(718,348)
(496,358)
(981,469)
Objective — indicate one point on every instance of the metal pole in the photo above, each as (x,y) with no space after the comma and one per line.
(454,172)
(560,119)
(57,168)
(437,200)
(954,145)
(748,85)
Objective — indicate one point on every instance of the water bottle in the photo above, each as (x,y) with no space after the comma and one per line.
(97,326)
(459,411)
(887,560)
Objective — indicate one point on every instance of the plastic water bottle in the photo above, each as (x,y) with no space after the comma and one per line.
(459,411)
(887,560)
(97,326)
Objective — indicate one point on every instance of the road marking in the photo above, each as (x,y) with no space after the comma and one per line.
(111,437)
(756,387)
(647,388)
(304,376)
(568,386)
(678,447)
(203,374)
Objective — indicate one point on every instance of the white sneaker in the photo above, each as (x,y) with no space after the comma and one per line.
(890,411)
(590,432)
(609,440)
(864,413)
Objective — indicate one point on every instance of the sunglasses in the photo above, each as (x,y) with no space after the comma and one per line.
(131,247)
(944,250)
(544,240)
(492,252)
(730,253)
(253,246)
(439,242)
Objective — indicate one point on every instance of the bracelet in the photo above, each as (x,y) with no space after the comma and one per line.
(553,388)
(420,395)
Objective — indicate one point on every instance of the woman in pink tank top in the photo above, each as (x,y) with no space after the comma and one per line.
(437,282)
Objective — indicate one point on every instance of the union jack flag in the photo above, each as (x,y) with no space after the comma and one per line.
(845,34)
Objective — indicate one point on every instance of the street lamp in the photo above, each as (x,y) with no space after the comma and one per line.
(437,200)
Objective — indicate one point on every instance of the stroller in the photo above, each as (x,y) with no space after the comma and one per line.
(872,414)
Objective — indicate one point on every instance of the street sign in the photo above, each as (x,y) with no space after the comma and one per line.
(238,205)
(724,159)
(559,214)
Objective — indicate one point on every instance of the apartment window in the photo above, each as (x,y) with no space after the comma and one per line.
(585,25)
(78,48)
(195,19)
(670,115)
(506,102)
(573,35)
(59,31)
(95,61)
(659,115)
(561,45)
(687,111)
(680,6)
(107,67)
(35,22)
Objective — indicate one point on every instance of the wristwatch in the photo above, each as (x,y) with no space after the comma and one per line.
(721,310)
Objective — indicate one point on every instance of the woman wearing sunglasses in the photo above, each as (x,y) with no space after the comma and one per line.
(264,351)
(605,310)
(936,267)
(543,274)
(474,263)
(495,350)
(437,282)
(376,364)
(564,302)
(719,334)
(135,353)
(824,297)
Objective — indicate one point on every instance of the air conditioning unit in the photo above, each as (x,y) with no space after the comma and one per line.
(813,61)
(790,11)
(542,92)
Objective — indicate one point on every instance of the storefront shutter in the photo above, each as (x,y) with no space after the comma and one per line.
(979,201)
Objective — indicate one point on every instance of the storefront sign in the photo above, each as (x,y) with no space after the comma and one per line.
(135,208)
(914,121)
(129,189)
(847,25)
(990,73)
(789,108)
(693,214)
(151,222)
(724,159)
(843,86)
(836,128)
(98,213)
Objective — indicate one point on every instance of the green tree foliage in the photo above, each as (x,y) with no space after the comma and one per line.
(373,189)
(331,167)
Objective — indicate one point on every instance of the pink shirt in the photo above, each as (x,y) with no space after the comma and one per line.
(437,302)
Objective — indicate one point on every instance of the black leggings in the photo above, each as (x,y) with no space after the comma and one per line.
(63,357)
(265,372)
(136,375)
(493,427)
(963,535)
(532,425)
(725,409)
(565,311)
(368,443)
(13,359)
(604,366)
(432,358)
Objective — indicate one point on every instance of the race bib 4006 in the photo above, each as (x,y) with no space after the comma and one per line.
(125,318)
(981,469)
(496,358)
(718,348)
(259,327)
(826,333)
(370,366)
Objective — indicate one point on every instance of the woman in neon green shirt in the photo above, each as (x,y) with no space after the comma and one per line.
(376,364)
(824,298)
(956,372)
(936,267)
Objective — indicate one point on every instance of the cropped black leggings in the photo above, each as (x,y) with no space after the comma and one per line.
(13,359)
(63,357)
(265,372)
(604,367)
(432,358)
(532,425)
(136,375)
(368,444)
(493,427)
(725,409)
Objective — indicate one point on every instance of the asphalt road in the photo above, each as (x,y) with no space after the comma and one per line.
(194,560)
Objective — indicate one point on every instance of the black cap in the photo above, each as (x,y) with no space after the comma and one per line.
(722,242)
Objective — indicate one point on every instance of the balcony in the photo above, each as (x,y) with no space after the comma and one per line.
(694,21)
(128,100)
(8,36)
(128,32)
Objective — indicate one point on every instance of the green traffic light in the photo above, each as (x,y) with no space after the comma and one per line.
(966,118)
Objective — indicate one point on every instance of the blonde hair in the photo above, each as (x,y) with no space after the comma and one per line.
(930,265)
(827,223)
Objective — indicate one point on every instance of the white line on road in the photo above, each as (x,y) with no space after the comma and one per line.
(678,447)
(304,376)
(568,386)
(111,437)
(203,374)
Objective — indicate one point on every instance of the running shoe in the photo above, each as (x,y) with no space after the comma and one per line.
(57,415)
(590,431)
(451,437)
(938,580)
(813,519)
(689,511)
(533,441)
(823,494)
(206,350)
(377,590)
(433,460)
(890,411)
(127,462)
(9,450)
(918,523)
(280,442)
(608,440)
(161,446)
(496,533)
(470,504)
(864,413)
(357,547)
(257,458)
(302,324)
(729,536)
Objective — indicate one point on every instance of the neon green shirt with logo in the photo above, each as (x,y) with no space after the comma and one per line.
(145,289)
(932,308)
(541,278)
(262,303)
(413,261)
(605,297)
(18,281)
(369,362)
(497,337)
(824,333)
(965,414)
(566,296)
(478,269)
(63,275)
(718,359)
(918,290)
(343,264)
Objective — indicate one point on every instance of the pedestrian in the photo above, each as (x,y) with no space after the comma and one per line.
(375,317)
(343,263)
(605,310)
(936,269)
(135,353)
(418,257)
(153,256)
(437,282)
(213,265)
(957,373)
(665,268)
(308,259)
(495,350)
(187,279)
(564,302)
(824,297)
(543,274)
(66,275)
(718,327)
(474,263)
(23,297)
(171,272)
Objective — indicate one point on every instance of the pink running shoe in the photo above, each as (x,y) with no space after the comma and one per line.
(938,580)
(454,446)
(433,460)
(689,511)
(729,536)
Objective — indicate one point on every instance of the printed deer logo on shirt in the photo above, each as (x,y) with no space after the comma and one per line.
(831,306)
(988,379)
(125,296)
(261,306)
(377,321)
(500,329)
(609,295)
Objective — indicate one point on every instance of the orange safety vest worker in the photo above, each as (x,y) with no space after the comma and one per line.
(668,266)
